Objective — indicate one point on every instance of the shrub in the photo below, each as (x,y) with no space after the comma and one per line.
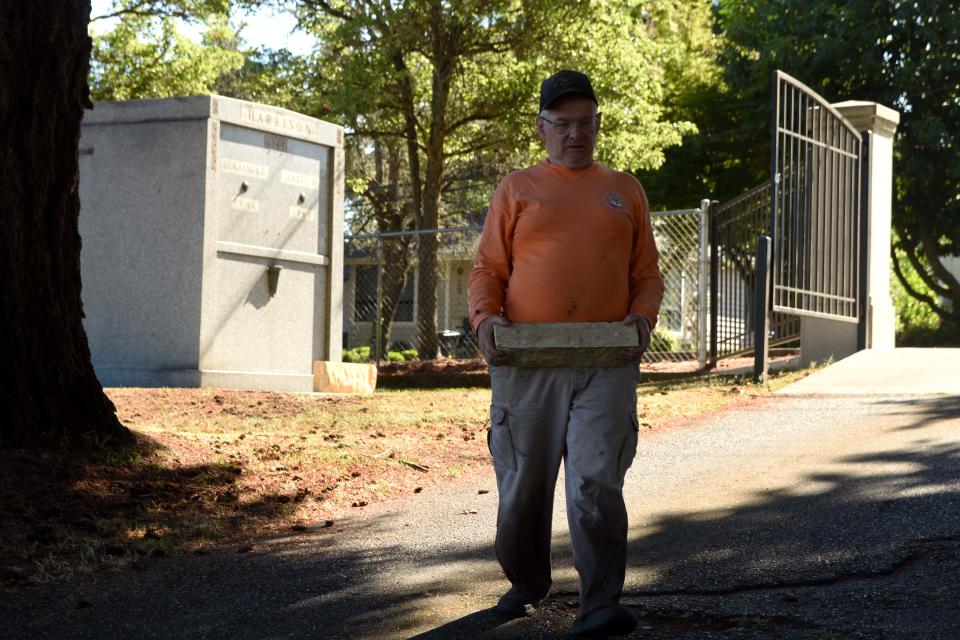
(409,354)
(915,318)
(359,354)
(663,341)
(394,356)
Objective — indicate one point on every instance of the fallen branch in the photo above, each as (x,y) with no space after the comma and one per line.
(418,467)
(390,454)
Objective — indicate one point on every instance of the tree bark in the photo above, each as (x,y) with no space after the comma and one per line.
(396,267)
(444,53)
(404,85)
(48,389)
(392,212)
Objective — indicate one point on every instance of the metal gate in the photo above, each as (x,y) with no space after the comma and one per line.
(734,228)
(815,206)
(813,213)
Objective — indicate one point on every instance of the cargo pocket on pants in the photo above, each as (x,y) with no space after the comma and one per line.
(499,440)
(629,448)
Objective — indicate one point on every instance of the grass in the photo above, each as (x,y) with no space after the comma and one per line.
(216,468)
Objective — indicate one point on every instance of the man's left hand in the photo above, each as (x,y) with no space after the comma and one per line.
(634,354)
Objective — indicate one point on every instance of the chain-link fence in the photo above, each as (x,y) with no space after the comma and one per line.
(681,333)
(405,293)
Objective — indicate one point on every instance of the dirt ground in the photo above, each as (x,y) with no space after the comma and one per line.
(215,468)
(451,367)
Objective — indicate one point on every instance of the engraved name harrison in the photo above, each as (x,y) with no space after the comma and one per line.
(276,121)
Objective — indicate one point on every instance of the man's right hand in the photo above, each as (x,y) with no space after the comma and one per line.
(488,349)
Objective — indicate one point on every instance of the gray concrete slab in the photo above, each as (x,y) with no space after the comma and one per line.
(885,372)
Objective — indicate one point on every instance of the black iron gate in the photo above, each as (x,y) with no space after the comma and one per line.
(734,227)
(815,205)
(811,209)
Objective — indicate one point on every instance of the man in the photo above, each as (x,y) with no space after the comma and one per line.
(566,240)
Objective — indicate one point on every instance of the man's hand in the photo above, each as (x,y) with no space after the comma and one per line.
(488,349)
(634,354)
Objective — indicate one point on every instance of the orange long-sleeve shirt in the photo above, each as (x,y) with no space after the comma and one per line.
(561,245)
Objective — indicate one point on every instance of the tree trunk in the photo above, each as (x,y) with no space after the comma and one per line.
(428,346)
(396,267)
(405,87)
(428,248)
(929,267)
(392,212)
(48,389)
(444,56)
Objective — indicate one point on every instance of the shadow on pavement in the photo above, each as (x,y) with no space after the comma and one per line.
(927,410)
(870,550)
(474,624)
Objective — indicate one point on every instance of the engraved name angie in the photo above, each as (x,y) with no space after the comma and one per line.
(295,179)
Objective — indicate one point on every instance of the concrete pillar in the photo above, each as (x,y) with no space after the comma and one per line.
(882,122)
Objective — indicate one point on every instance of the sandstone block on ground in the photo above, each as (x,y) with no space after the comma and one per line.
(565,344)
(344,377)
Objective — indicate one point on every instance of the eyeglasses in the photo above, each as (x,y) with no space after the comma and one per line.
(587,125)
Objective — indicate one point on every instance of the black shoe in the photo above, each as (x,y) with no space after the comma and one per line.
(608,621)
(516,605)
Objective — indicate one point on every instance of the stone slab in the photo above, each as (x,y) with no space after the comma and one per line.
(344,377)
(565,344)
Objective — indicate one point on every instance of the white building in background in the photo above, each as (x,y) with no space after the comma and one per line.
(360,301)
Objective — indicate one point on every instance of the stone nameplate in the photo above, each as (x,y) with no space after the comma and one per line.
(565,344)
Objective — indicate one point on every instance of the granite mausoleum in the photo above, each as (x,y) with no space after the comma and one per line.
(212,233)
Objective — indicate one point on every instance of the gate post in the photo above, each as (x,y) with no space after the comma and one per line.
(881,123)
(703,269)
(714,285)
(378,326)
(761,312)
(863,233)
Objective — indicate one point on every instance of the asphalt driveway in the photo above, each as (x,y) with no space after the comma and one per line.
(811,514)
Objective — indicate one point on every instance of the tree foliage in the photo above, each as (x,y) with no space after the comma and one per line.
(709,160)
(913,315)
(457,83)
(143,53)
(183,9)
(147,57)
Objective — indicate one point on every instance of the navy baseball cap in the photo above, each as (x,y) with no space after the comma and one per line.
(565,82)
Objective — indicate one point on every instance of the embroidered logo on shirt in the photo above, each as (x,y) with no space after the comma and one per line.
(615,201)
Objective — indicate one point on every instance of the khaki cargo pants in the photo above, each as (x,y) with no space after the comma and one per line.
(587,418)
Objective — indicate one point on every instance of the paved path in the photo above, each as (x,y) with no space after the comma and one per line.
(825,516)
(892,372)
